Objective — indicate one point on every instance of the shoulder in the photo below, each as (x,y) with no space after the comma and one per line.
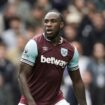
(40,40)
(30,52)
(30,47)
(38,37)
(68,43)
(69,46)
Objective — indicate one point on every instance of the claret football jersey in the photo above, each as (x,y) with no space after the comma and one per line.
(48,63)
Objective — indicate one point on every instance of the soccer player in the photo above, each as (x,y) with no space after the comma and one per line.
(42,65)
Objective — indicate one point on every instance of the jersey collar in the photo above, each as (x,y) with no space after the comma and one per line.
(61,39)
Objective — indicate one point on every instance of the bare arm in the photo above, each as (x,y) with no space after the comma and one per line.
(24,71)
(78,87)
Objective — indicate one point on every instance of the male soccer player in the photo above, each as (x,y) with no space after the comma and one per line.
(42,65)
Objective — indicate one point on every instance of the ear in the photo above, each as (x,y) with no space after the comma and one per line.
(62,25)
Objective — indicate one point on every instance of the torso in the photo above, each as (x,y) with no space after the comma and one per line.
(45,79)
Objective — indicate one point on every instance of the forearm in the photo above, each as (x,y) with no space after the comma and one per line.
(80,93)
(24,87)
(23,73)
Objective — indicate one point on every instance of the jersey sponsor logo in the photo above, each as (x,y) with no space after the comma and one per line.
(53,60)
(64,52)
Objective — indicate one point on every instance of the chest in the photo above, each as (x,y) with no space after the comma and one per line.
(56,55)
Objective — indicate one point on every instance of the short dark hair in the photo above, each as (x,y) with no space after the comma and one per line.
(60,15)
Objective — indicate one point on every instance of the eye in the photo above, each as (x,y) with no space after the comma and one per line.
(46,21)
(53,20)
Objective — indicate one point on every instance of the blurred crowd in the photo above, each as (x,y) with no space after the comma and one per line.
(84,27)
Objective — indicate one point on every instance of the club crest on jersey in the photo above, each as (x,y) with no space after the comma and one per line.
(64,52)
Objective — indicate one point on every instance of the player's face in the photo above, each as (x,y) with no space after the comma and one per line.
(52,25)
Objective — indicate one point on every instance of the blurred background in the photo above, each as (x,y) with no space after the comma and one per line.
(20,20)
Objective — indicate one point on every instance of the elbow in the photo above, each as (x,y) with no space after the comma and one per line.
(22,76)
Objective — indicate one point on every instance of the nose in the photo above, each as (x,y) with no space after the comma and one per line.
(49,24)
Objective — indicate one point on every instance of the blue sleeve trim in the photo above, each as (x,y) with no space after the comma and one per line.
(30,52)
(73,64)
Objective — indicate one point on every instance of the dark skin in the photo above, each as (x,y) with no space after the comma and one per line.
(52,27)
(78,86)
(24,71)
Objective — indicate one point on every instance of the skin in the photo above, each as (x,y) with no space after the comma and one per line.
(52,21)
(78,86)
(24,71)
(52,27)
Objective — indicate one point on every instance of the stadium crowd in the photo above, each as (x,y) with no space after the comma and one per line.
(84,20)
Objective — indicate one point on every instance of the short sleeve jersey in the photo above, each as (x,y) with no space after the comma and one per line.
(48,63)
(31,52)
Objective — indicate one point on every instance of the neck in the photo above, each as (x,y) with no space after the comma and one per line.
(54,40)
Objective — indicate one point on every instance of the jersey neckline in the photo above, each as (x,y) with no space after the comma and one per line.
(60,42)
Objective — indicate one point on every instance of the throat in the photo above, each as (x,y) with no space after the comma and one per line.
(55,41)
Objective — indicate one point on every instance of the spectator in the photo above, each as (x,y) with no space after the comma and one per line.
(22,6)
(96,68)
(16,52)
(70,32)
(77,8)
(32,29)
(37,14)
(45,4)
(10,36)
(9,11)
(59,5)
(91,31)
(9,72)
(86,25)
(98,32)
(6,97)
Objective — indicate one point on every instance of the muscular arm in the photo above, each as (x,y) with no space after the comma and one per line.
(78,87)
(24,72)
(28,59)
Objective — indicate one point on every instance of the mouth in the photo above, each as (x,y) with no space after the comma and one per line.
(49,31)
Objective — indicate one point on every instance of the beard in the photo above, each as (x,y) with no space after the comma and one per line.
(52,36)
